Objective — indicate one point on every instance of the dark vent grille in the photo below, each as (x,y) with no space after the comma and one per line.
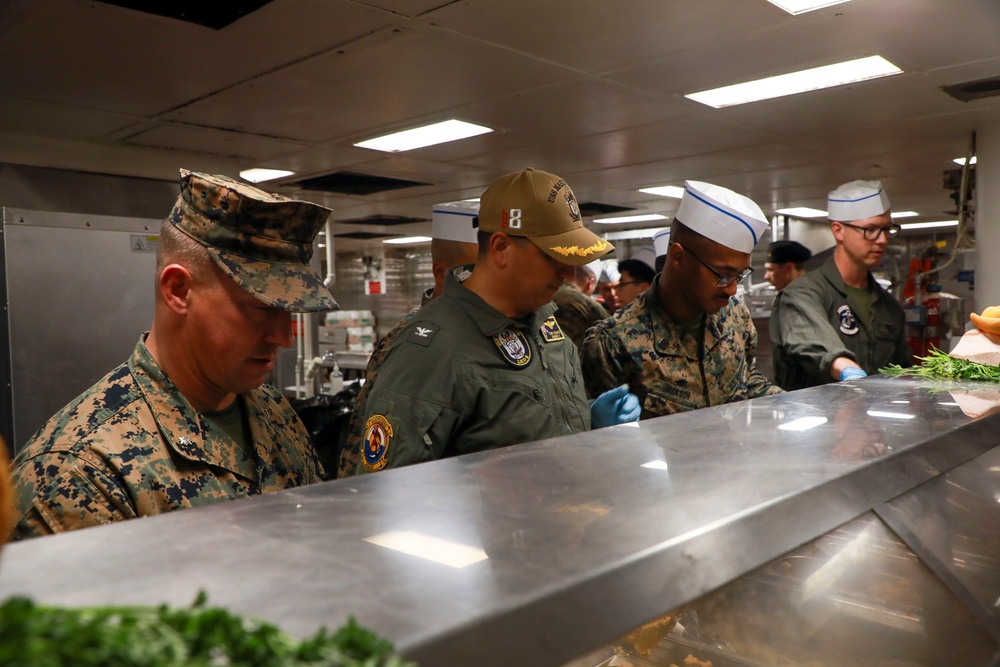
(352,183)
(363,235)
(216,15)
(591,208)
(382,220)
(974,90)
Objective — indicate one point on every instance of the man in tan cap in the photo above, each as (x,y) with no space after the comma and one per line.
(486,365)
(187,420)
(687,342)
(453,248)
(837,323)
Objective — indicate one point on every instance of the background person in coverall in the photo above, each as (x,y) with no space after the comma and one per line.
(837,323)
(687,342)
(453,249)
(486,365)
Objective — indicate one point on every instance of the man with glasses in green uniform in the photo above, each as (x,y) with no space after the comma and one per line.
(837,323)
(687,342)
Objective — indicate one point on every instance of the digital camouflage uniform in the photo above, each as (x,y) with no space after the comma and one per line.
(133,446)
(813,321)
(462,377)
(643,347)
(577,312)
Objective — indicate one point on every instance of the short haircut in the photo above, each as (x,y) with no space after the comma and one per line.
(483,238)
(638,269)
(176,247)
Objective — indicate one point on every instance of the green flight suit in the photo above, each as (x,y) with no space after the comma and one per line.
(813,321)
(462,377)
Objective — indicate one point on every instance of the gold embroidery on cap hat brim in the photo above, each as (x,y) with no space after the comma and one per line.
(578,251)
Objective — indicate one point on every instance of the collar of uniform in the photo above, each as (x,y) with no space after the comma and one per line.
(183,428)
(668,336)
(830,271)
(490,320)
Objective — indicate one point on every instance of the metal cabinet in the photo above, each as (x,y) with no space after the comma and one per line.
(824,524)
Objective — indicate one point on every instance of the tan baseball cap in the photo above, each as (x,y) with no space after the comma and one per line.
(541,207)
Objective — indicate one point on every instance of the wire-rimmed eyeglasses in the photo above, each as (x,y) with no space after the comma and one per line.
(875,231)
(723,281)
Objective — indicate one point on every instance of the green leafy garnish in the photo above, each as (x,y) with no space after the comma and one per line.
(939,365)
(197,636)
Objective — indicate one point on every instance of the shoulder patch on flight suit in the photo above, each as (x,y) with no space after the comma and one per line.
(423,333)
(848,325)
(378,435)
(551,331)
(514,347)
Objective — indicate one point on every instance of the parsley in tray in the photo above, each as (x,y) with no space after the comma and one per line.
(197,636)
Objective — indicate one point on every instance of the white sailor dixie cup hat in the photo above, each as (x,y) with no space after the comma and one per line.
(661,242)
(721,215)
(857,200)
(453,221)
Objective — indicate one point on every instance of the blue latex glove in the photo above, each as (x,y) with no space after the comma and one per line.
(852,373)
(615,406)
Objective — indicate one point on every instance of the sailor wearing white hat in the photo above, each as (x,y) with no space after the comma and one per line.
(837,322)
(453,249)
(661,241)
(687,342)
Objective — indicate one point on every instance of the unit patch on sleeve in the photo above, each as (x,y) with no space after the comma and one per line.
(514,347)
(378,435)
(423,333)
(551,331)
(848,325)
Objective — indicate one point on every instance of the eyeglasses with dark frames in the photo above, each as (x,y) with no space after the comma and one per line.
(875,231)
(723,281)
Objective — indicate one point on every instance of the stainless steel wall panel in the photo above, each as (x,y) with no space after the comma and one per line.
(80,291)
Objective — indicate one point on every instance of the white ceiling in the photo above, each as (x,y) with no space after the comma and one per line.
(592,90)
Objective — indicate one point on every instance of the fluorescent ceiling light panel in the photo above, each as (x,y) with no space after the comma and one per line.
(803,424)
(418,137)
(803,6)
(631,234)
(929,225)
(408,239)
(441,551)
(633,218)
(665,191)
(961,160)
(256,175)
(802,212)
(816,78)
(904,214)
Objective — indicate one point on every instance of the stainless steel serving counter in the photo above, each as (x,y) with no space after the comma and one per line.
(573,541)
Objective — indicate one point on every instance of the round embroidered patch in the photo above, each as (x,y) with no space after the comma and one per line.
(378,435)
(514,347)
(848,325)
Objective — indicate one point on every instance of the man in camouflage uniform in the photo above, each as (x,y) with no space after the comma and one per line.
(186,421)
(453,250)
(687,342)
(485,365)
(578,311)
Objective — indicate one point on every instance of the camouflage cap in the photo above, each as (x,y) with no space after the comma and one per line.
(262,241)
(542,207)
